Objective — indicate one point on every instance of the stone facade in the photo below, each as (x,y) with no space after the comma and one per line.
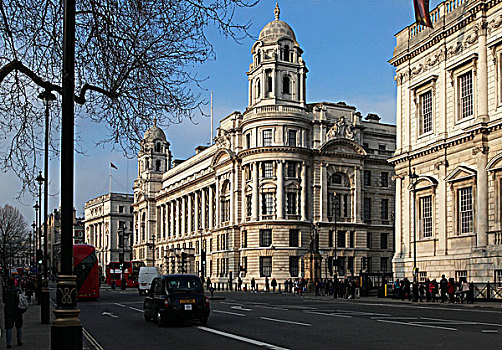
(254,199)
(108,223)
(449,109)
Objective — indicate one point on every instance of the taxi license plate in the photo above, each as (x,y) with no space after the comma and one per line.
(188,307)
(187,301)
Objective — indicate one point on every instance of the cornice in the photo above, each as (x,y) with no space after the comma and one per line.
(273,149)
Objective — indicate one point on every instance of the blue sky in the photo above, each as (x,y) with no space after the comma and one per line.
(346,44)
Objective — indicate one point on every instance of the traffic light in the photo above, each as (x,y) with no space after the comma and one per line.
(39,256)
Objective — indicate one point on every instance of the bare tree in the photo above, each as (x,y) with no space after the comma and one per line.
(13,234)
(135,60)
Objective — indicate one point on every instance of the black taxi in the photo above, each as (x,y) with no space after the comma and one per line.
(176,298)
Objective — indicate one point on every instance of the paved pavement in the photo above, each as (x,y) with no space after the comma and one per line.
(276,321)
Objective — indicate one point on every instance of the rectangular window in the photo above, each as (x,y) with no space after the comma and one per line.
(466,96)
(498,278)
(367,178)
(383,240)
(267,204)
(425,204)
(384,179)
(384,212)
(367,209)
(382,147)
(465,209)
(341,239)
(460,274)
(265,266)
(249,203)
(265,238)
(335,205)
(291,203)
(350,264)
(346,205)
(293,266)
(292,138)
(422,275)
(267,137)
(330,238)
(268,170)
(426,112)
(341,266)
(121,208)
(352,239)
(291,169)
(384,263)
(248,140)
(294,236)
(244,239)
(244,266)
(369,264)
(368,239)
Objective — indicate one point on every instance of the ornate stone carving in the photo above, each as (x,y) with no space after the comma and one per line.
(455,49)
(222,140)
(341,129)
(495,24)
(473,35)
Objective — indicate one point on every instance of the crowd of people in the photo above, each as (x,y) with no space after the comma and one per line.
(446,290)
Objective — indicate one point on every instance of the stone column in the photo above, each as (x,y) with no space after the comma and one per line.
(280,190)
(232,195)
(324,192)
(256,193)
(203,208)
(211,208)
(183,216)
(196,212)
(217,203)
(250,93)
(171,217)
(304,192)
(482,74)
(398,224)
(399,113)
(273,83)
(243,195)
(481,218)
(189,216)
(178,231)
(358,199)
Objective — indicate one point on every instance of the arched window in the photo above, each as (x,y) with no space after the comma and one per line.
(259,56)
(285,85)
(258,89)
(286,53)
(158,164)
(147,164)
(157,147)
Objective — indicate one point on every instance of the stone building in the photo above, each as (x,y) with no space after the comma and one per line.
(254,199)
(449,99)
(108,226)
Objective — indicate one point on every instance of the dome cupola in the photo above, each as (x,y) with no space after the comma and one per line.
(277,29)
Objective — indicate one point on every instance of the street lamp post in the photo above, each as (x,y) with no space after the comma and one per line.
(34,237)
(43,285)
(413,178)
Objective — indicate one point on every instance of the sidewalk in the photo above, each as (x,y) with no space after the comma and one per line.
(36,336)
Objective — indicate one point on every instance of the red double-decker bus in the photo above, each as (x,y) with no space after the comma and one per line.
(130,270)
(85,267)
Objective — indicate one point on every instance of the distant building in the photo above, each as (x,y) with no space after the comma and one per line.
(276,173)
(107,225)
(449,133)
(54,236)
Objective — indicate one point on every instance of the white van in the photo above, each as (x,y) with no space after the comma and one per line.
(145,277)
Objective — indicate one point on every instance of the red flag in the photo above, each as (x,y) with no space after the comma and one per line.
(422,14)
(113,166)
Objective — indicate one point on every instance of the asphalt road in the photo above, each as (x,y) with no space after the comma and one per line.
(275,321)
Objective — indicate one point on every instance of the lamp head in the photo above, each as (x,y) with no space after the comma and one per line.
(40,179)
(47,96)
(36,206)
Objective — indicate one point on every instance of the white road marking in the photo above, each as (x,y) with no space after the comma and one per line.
(489,331)
(239,307)
(272,307)
(133,308)
(467,309)
(229,303)
(300,307)
(105,313)
(417,325)
(361,313)
(121,305)
(286,321)
(476,322)
(243,339)
(394,318)
(91,339)
(228,312)
(327,314)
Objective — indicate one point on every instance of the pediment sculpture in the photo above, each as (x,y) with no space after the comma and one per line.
(222,139)
(341,129)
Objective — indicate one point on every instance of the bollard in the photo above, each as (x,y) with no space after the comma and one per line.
(488,291)
(245,287)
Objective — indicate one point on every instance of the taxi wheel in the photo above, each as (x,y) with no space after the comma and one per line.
(160,319)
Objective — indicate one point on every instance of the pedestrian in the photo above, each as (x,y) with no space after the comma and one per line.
(335,287)
(13,316)
(397,289)
(273,284)
(286,286)
(290,285)
(239,282)
(451,289)
(29,290)
(267,286)
(421,291)
(432,290)
(443,286)
(317,287)
(253,283)
(208,283)
(464,288)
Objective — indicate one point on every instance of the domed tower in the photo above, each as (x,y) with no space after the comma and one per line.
(154,155)
(278,72)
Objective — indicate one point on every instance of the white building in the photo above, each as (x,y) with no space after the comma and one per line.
(449,120)
(108,226)
(251,199)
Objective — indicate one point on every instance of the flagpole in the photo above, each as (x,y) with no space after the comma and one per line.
(211,139)
(110,187)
